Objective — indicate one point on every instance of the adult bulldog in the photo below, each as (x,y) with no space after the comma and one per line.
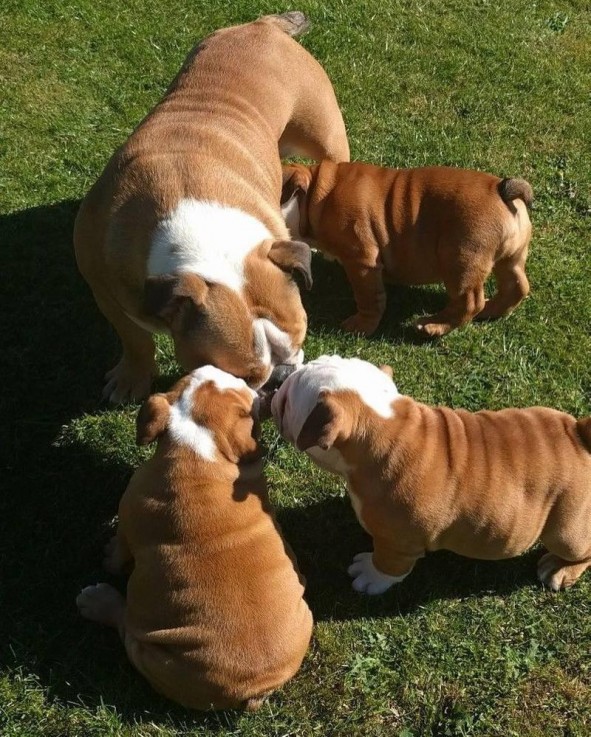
(183,233)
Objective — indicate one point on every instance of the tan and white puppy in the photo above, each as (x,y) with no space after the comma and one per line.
(483,484)
(183,233)
(415,226)
(215,615)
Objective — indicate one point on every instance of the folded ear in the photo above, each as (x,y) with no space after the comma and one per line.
(387,370)
(322,425)
(296,180)
(152,419)
(293,256)
(165,296)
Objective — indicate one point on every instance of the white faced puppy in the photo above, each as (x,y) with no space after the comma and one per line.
(483,484)
(214,615)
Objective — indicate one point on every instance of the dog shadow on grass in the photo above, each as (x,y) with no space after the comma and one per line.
(331,301)
(326,536)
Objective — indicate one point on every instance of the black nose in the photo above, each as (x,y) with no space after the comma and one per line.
(278,376)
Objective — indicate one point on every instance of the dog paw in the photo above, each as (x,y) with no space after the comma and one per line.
(366,577)
(101,603)
(557,573)
(360,324)
(126,385)
(426,326)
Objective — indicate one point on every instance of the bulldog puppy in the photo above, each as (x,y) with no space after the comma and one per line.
(415,226)
(183,233)
(215,615)
(485,484)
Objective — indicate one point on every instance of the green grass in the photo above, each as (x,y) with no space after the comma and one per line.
(461,647)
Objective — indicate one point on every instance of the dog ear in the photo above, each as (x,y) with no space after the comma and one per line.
(293,256)
(152,419)
(296,180)
(387,370)
(323,424)
(167,294)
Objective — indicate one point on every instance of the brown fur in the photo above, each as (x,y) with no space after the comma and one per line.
(484,485)
(243,95)
(215,615)
(417,226)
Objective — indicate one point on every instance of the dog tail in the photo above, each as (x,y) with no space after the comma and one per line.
(294,23)
(511,189)
(584,431)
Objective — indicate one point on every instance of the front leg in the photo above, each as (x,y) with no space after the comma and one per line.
(367,282)
(374,573)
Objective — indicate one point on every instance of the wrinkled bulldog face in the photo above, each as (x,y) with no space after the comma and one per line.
(321,387)
(211,324)
(225,290)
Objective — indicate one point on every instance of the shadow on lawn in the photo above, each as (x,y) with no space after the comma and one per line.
(60,498)
(331,301)
(325,537)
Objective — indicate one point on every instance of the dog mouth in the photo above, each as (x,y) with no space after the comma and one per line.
(279,374)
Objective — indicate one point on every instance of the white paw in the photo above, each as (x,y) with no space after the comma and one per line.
(366,577)
(101,603)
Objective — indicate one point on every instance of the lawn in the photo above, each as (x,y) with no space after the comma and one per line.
(461,647)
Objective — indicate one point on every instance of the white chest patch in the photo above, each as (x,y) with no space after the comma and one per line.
(181,425)
(208,239)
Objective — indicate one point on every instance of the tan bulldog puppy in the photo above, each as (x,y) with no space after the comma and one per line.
(415,226)
(483,484)
(215,615)
(183,233)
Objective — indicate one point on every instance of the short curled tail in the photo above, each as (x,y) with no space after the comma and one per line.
(294,23)
(511,189)
(584,431)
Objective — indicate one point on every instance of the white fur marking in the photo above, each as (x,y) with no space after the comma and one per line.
(208,239)
(181,425)
(366,577)
(273,345)
(290,212)
(298,395)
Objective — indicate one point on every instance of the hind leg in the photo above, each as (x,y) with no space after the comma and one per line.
(323,140)
(557,573)
(118,557)
(465,302)
(316,129)
(567,537)
(103,604)
(512,287)
(464,270)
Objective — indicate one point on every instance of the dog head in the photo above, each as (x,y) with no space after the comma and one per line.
(209,411)
(322,402)
(226,291)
